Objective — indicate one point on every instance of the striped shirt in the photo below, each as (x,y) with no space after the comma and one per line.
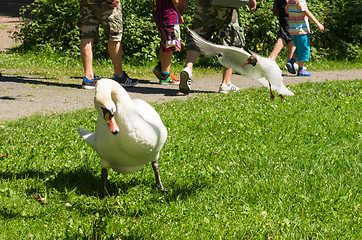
(164,13)
(298,21)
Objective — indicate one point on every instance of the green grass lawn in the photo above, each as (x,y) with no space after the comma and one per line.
(238,166)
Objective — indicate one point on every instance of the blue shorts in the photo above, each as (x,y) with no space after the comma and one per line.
(302,43)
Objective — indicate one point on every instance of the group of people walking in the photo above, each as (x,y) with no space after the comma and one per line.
(210,16)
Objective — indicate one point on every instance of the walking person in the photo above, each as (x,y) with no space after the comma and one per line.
(284,36)
(168,15)
(209,18)
(300,31)
(94,13)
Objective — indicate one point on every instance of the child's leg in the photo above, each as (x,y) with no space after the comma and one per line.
(291,50)
(303,54)
(300,64)
(277,48)
(171,42)
(165,58)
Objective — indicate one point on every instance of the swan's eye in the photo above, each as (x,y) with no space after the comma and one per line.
(108,115)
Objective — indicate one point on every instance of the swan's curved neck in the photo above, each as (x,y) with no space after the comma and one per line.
(110,91)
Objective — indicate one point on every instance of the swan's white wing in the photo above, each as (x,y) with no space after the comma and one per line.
(206,47)
(150,115)
(230,55)
(147,111)
(233,57)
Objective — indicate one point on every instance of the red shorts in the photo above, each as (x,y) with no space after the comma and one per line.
(170,38)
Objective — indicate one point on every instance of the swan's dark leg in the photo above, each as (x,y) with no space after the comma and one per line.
(271,93)
(157,175)
(104,180)
(281,96)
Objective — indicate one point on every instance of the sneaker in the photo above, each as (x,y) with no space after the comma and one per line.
(290,67)
(225,89)
(303,73)
(171,79)
(185,80)
(157,72)
(125,81)
(90,83)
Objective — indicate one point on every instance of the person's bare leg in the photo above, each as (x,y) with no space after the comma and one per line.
(186,73)
(291,49)
(277,48)
(165,59)
(86,53)
(300,64)
(226,75)
(191,56)
(115,51)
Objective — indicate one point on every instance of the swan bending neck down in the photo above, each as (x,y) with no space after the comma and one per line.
(129,133)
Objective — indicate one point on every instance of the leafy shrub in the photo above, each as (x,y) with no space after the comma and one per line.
(53,25)
(343,22)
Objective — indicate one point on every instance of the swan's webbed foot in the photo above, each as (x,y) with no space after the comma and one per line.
(156,170)
(104,181)
(281,96)
(272,96)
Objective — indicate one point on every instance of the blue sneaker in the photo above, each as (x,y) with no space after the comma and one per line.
(303,73)
(90,83)
(125,81)
(290,67)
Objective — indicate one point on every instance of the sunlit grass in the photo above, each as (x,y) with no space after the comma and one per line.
(239,166)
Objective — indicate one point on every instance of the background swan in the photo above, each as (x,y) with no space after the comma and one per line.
(254,66)
(129,133)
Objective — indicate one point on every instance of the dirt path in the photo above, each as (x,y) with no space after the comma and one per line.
(9,18)
(23,96)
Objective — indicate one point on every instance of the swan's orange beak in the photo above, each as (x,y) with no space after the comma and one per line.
(111,121)
(245,64)
(113,127)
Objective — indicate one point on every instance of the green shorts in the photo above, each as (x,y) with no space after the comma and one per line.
(225,21)
(98,12)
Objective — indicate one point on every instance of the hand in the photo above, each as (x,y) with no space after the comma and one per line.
(321,27)
(114,3)
(252,5)
(181,19)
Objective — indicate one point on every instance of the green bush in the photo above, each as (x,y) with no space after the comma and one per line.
(54,27)
(343,22)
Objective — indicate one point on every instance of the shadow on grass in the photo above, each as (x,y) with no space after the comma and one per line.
(85,181)
(170,92)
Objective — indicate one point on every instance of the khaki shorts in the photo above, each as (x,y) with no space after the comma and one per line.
(223,20)
(98,12)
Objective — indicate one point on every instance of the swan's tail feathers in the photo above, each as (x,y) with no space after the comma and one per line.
(264,82)
(89,137)
(285,91)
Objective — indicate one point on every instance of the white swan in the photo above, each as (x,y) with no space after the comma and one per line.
(254,66)
(129,133)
